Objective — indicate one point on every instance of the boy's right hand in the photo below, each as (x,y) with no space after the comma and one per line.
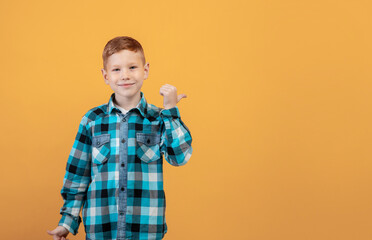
(59,233)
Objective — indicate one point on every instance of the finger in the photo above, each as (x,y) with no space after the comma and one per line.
(164,91)
(51,232)
(167,86)
(179,97)
(161,91)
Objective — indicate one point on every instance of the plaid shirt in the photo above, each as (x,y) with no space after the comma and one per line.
(115,172)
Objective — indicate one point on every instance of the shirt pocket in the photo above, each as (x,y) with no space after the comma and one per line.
(148,146)
(101,148)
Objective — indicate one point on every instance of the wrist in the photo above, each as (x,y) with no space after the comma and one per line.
(169,106)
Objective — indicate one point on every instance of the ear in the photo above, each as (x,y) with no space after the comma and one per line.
(146,69)
(104,74)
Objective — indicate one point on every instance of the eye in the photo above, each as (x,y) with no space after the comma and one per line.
(116,69)
(132,67)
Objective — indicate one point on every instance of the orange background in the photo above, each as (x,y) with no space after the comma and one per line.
(279,107)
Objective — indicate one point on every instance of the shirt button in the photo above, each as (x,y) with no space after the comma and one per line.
(122,164)
(124,120)
(123,140)
(121,213)
(122,189)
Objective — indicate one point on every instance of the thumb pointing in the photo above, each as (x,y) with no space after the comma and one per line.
(179,97)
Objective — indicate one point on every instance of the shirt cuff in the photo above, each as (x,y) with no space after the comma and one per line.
(171,112)
(70,223)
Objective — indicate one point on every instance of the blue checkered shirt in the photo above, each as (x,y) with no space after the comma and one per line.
(114,171)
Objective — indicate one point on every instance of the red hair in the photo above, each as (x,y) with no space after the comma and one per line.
(121,43)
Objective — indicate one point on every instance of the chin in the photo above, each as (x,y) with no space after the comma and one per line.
(128,93)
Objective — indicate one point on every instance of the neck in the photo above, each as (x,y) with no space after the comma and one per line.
(127,103)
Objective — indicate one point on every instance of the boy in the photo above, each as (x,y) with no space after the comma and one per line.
(114,170)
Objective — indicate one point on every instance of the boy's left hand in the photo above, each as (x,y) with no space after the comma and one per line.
(171,98)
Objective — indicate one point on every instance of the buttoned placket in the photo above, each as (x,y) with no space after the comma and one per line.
(123,160)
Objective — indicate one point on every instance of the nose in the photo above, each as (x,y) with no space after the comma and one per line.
(124,74)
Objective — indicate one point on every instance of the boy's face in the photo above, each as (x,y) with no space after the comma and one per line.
(125,73)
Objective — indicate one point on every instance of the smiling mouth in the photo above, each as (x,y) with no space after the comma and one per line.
(126,85)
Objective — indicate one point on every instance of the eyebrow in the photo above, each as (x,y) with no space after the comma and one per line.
(131,63)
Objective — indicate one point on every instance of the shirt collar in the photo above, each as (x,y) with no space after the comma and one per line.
(141,106)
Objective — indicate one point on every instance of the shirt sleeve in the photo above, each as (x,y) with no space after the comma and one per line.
(176,138)
(76,179)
